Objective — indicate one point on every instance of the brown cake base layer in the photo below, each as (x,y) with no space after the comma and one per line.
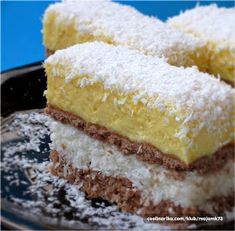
(143,151)
(122,192)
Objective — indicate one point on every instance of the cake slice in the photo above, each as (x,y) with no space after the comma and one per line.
(177,117)
(155,139)
(216,27)
(71,22)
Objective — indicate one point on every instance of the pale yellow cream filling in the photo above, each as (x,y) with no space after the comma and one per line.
(222,62)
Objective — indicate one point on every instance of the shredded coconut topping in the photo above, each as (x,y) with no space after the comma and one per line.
(193,95)
(123,25)
(209,22)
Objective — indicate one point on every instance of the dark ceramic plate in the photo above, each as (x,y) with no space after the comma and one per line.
(22,90)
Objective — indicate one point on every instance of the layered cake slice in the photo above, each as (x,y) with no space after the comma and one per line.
(71,22)
(132,129)
(215,26)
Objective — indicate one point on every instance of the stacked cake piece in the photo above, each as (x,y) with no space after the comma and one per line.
(154,138)
(215,26)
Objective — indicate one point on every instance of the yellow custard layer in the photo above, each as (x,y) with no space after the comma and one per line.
(222,62)
(97,105)
(64,34)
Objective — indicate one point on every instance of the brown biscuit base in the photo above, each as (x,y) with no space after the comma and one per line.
(122,192)
(144,152)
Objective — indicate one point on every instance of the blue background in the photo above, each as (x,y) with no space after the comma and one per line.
(21,24)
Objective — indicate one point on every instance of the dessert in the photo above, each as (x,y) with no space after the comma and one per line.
(215,26)
(154,138)
(71,22)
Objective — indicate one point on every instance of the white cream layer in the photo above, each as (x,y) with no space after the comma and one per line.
(195,190)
